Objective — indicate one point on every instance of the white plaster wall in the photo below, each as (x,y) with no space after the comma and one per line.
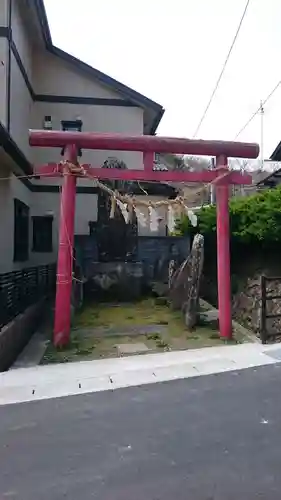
(3,78)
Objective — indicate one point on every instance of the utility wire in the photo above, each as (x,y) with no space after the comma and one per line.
(258,110)
(222,71)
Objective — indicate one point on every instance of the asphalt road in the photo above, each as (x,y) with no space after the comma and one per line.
(211,438)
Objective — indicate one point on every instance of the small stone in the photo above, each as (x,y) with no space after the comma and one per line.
(210,318)
(160,289)
(160,301)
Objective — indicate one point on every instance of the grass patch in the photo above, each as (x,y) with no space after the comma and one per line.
(144,312)
(87,341)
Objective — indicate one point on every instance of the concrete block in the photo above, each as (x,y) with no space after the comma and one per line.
(127,349)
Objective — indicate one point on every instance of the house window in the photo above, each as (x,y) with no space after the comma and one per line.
(47,124)
(42,234)
(21,231)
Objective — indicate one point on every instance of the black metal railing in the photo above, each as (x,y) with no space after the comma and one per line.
(21,289)
(267,296)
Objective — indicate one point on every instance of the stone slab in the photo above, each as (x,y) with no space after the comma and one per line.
(136,348)
(129,331)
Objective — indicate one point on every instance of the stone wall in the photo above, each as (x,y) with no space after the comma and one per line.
(154,252)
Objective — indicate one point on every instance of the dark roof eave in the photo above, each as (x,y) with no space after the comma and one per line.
(276,155)
(270,176)
(156,121)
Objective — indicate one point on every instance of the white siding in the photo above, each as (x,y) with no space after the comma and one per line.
(3,79)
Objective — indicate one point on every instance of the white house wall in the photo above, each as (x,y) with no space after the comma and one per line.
(49,204)
(39,204)
(3,79)
(20,99)
(21,36)
(104,119)
(53,76)
(37,72)
(4,13)
(20,108)
(10,188)
(50,75)
(6,224)
(86,211)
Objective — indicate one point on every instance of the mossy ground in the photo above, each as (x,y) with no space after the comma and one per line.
(89,342)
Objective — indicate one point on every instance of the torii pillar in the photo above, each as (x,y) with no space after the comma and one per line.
(221,177)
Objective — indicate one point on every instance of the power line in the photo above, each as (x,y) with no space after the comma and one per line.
(222,71)
(257,110)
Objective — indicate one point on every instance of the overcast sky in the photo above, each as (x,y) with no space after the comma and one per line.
(173,51)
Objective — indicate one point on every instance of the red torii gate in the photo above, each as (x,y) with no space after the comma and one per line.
(70,169)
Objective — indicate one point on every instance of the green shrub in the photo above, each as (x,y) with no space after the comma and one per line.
(254,219)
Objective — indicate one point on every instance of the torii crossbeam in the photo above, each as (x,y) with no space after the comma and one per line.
(70,169)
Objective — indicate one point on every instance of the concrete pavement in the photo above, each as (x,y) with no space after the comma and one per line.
(43,382)
(214,437)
